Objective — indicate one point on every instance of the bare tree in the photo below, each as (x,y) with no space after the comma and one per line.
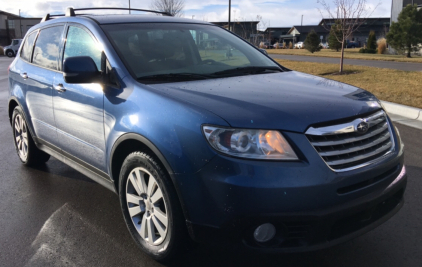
(173,7)
(349,15)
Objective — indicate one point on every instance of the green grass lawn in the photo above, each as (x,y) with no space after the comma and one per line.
(352,53)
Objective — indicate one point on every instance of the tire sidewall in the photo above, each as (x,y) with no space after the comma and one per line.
(141,160)
(10,53)
(18,111)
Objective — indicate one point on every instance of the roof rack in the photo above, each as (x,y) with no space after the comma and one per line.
(70,12)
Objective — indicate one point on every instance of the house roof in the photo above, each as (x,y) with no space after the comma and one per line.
(232,22)
(14,16)
(9,14)
(308,28)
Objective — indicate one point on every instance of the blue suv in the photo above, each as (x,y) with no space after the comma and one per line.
(202,136)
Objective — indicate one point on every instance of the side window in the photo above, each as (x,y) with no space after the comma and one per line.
(80,43)
(46,51)
(27,46)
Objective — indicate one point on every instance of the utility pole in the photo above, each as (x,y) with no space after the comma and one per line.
(193,16)
(129,8)
(20,23)
(302,21)
(230,11)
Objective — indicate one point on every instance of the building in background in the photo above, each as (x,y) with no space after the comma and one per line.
(380,26)
(398,5)
(248,30)
(273,34)
(299,33)
(14,27)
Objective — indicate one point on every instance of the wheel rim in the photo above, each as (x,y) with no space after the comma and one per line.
(21,137)
(9,54)
(146,206)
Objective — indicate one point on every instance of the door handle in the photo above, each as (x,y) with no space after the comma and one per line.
(60,88)
(24,75)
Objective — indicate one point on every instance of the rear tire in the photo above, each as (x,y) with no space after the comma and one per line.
(25,146)
(151,208)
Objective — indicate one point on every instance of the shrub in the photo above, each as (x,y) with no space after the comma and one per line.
(382,45)
(261,45)
(290,45)
(1,51)
(284,45)
(368,51)
(277,46)
(312,42)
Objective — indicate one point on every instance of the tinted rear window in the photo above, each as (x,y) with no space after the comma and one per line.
(47,46)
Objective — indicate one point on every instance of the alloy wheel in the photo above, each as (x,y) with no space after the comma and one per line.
(146,206)
(21,137)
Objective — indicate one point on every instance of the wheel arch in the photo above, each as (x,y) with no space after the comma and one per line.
(132,142)
(127,144)
(13,103)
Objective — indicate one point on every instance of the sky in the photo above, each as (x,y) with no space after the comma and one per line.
(274,13)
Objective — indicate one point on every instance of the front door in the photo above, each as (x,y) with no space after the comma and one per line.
(78,108)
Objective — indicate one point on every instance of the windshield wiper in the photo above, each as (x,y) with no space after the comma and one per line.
(175,76)
(248,70)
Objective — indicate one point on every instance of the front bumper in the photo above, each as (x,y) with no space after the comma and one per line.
(311,206)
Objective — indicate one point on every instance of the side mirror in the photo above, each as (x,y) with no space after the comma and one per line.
(80,70)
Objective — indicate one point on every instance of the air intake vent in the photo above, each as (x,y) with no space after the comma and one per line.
(354,144)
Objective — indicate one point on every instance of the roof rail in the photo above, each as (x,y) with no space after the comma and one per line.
(49,16)
(70,11)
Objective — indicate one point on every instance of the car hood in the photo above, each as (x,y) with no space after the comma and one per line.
(290,101)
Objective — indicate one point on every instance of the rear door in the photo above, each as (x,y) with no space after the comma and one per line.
(39,73)
(78,108)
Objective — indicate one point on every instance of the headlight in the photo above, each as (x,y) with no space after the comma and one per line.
(253,144)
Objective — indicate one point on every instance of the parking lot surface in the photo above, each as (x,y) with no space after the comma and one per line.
(54,216)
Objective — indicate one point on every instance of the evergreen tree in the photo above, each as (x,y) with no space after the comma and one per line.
(372,41)
(406,33)
(335,36)
(312,42)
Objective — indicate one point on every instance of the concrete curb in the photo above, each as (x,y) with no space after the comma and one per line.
(404,111)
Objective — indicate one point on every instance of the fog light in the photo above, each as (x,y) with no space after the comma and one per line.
(264,232)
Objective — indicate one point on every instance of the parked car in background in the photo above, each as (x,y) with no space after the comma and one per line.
(222,146)
(352,44)
(299,45)
(13,48)
(325,45)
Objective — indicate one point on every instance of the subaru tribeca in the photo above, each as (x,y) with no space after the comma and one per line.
(202,136)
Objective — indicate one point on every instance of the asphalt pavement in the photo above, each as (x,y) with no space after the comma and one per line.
(55,216)
(406,66)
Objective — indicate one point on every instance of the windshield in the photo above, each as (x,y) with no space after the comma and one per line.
(191,51)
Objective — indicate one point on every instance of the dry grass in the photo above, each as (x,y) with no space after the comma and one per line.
(352,53)
(382,45)
(396,86)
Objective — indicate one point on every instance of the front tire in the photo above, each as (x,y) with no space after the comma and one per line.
(10,53)
(151,208)
(25,146)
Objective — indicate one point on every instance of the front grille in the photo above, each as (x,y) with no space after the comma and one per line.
(342,147)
